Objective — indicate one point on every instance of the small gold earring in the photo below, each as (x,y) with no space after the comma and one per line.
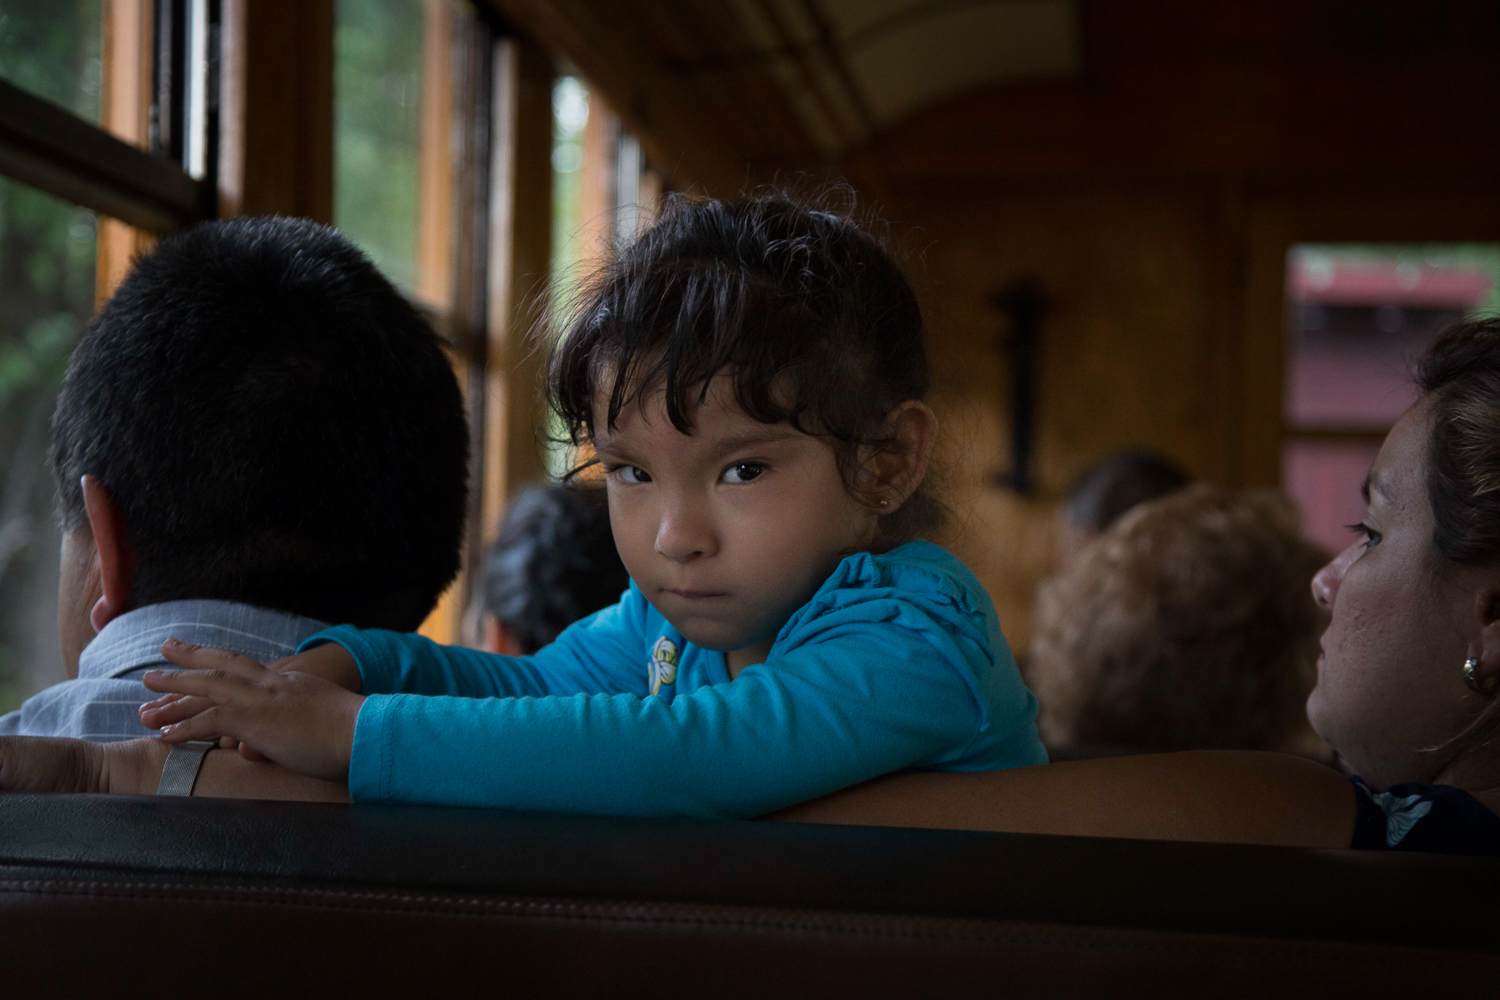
(1474,683)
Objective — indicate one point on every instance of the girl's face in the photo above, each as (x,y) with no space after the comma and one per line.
(1389,680)
(728,530)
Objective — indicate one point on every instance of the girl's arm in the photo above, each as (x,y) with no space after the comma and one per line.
(852,704)
(603,652)
(1228,796)
(824,717)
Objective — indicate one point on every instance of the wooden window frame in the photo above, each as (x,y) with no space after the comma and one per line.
(484,227)
(486,258)
(54,150)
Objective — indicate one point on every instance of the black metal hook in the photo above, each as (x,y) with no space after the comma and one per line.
(1024,304)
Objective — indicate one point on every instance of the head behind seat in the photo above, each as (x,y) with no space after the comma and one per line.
(276,425)
(1188,625)
(553,563)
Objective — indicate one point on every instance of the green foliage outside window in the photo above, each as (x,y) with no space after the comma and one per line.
(570,113)
(377,132)
(47,253)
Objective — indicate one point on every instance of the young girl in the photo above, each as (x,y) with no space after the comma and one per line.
(750,377)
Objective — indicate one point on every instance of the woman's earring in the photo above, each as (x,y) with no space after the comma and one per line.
(885,503)
(1474,683)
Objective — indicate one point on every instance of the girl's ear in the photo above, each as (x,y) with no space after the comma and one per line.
(899,467)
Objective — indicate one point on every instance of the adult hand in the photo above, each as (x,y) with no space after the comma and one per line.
(53,764)
(298,720)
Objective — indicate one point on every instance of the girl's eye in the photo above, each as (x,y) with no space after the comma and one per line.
(1371,536)
(743,472)
(631,474)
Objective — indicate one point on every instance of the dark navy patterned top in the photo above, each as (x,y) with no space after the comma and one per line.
(1438,819)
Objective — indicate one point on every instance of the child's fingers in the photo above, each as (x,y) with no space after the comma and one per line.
(165,699)
(211,724)
(207,658)
(209,683)
(155,715)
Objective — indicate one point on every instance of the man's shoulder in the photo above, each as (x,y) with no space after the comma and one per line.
(101,709)
(134,639)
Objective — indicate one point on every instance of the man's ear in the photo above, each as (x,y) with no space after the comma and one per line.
(899,467)
(116,563)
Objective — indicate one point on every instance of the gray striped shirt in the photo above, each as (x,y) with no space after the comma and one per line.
(102,704)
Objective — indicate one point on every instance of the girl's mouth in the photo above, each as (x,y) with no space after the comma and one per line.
(696,595)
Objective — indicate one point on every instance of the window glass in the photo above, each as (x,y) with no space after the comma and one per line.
(1323,479)
(377,137)
(51,48)
(570,114)
(1358,316)
(47,284)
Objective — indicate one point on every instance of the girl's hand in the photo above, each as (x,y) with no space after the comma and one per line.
(329,661)
(298,720)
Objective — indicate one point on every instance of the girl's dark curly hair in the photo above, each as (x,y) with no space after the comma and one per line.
(807,313)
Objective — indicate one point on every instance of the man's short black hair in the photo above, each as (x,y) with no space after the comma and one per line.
(554,562)
(1105,491)
(276,424)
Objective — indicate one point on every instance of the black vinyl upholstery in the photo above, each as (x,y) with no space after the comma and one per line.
(374,898)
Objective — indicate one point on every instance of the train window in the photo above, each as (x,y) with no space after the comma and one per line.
(603,189)
(47,282)
(108,111)
(1357,317)
(51,48)
(378,95)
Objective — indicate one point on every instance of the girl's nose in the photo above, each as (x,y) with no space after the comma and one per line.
(683,534)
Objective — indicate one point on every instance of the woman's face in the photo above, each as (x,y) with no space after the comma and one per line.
(1402,619)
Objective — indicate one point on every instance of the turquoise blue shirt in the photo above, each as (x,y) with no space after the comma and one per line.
(897,662)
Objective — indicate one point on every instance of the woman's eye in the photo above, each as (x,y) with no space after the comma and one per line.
(1371,536)
(743,472)
(632,474)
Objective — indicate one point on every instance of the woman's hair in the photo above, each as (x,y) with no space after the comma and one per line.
(1189,624)
(1461,374)
(807,313)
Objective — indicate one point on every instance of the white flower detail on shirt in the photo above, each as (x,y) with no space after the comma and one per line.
(1401,814)
(663,666)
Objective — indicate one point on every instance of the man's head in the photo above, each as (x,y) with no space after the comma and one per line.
(1105,491)
(554,563)
(256,415)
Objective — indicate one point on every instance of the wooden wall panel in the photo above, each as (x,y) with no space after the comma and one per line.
(1129,356)
(520,255)
(276,152)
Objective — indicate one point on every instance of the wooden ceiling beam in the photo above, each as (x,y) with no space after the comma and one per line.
(688,135)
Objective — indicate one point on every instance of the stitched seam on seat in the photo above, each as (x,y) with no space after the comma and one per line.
(744,918)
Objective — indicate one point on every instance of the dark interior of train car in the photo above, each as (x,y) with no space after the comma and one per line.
(761,497)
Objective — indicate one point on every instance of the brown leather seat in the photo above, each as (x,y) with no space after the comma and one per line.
(142,895)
